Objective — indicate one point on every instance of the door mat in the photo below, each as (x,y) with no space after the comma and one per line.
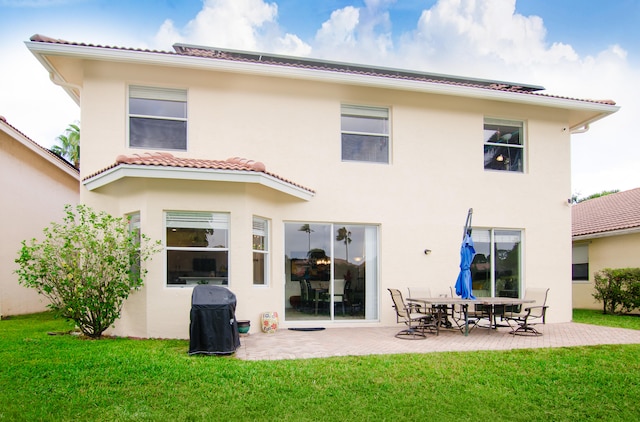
(307,329)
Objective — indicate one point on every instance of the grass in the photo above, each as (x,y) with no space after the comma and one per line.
(596,317)
(63,377)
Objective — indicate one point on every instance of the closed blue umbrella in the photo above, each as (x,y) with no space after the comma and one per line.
(467,252)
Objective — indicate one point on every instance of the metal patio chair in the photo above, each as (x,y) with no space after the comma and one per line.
(529,314)
(417,322)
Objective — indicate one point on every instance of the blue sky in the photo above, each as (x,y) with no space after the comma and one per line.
(578,48)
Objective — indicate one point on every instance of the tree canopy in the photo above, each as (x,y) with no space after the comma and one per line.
(69,145)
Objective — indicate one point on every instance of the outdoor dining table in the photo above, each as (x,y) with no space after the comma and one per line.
(439,303)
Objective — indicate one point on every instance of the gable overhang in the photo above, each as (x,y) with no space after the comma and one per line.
(581,112)
(39,150)
(610,233)
(124,171)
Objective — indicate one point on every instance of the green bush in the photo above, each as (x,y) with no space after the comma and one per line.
(86,267)
(618,289)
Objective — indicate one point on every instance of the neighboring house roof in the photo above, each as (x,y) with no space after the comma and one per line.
(581,112)
(46,154)
(164,165)
(609,215)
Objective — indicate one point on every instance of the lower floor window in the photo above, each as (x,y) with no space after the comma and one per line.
(197,248)
(260,246)
(496,267)
(580,262)
(331,271)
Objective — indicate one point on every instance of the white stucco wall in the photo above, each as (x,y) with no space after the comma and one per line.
(419,200)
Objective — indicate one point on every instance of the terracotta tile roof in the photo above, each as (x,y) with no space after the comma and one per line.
(607,213)
(40,147)
(165,159)
(324,65)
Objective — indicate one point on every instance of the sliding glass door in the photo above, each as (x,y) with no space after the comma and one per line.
(331,271)
(496,267)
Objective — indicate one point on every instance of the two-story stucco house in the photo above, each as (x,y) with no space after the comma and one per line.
(309,187)
(36,184)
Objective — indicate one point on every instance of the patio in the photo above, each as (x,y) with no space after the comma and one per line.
(288,344)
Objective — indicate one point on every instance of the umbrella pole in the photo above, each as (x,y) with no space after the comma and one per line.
(467,224)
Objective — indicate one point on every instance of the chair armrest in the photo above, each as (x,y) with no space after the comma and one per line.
(543,311)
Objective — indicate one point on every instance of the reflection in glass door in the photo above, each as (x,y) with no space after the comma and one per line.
(496,267)
(331,271)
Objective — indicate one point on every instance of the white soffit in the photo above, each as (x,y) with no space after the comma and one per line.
(123,171)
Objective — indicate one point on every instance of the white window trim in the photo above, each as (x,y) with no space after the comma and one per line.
(216,221)
(581,257)
(523,139)
(157,93)
(492,260)
(266,251)
(367,111)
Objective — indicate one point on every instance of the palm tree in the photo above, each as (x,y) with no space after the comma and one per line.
(69,145)
(344,234)
(307,228)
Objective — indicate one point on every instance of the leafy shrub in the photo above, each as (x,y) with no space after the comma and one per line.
(86,267)
(618,289)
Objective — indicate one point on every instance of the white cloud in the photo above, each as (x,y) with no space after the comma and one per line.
(339,30)
(474,38)
(356,34)
(237,24)
(30,102)
(167,35)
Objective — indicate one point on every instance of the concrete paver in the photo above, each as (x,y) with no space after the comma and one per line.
(288,344)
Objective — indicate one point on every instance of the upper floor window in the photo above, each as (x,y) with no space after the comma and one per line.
(503,145)
(260,246)
(157,118)
(365,134)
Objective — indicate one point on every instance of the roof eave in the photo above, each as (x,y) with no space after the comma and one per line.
(42,49)
(610,233)
(123,171)
(40,151)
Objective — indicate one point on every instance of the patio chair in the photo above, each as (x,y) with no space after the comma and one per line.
(529,314)
(416,322)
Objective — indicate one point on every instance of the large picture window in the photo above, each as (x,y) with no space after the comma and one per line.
(197,246)
(503,145)
(157,118)
(365,134)
(260,246)
(496,267)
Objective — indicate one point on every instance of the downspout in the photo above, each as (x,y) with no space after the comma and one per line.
(582,129)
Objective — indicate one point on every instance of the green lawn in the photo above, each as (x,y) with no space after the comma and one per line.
(596,317)
(63,377)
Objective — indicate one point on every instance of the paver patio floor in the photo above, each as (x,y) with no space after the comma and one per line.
(288,344)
